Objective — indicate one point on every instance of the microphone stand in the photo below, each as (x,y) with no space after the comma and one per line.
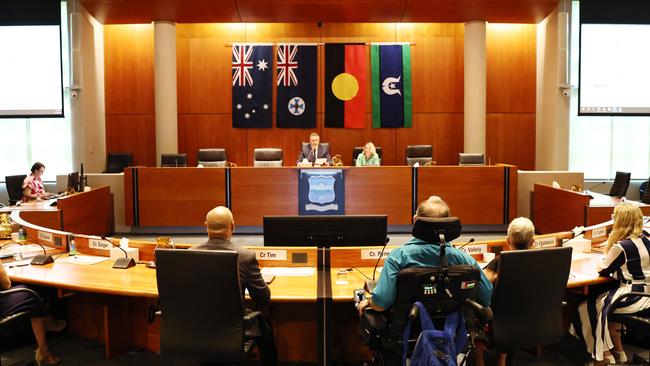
(121,263)
(42,259)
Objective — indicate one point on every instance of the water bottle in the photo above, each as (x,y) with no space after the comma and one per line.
(72,247)
(21,234)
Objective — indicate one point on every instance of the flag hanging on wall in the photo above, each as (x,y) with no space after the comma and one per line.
(252,85)
(345,85)
(391,85)
(296,86)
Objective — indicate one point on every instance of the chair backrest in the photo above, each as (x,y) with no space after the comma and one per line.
(212,157)
(621,184)
(421,154)
(267,157)
(359,149)
(471,159)
(116,162)
(202,306)
(14,185)
(645,197)
(428,286)
(527,297)
(173,160)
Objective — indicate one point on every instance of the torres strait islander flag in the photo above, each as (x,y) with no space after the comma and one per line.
(345,85)
(296,86)
(252,85)
(391,85)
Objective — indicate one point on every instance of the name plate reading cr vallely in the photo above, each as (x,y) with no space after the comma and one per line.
(374,253)
(271,255)
(99,244)
(474,249)
(45,236)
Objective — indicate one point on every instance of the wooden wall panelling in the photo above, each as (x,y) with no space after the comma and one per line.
(129,91)
(511,94)
(443,131)
(198,131)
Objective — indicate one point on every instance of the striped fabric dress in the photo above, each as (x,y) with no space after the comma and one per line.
(629,262)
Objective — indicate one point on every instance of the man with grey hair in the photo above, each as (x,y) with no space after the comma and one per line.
(419,253)
(220,225)
(520,237)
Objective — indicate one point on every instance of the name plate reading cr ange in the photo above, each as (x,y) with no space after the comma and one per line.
(474,249)
(99,244)
(42,235)
(374,253)
(271,255)
(599,232)
(544,242)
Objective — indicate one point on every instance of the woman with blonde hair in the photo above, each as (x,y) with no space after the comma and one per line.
(628,259)
(368,156)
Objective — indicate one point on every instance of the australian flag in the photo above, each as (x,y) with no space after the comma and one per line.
(296,82)
(252,86)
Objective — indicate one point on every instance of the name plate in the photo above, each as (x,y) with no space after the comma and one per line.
(599,232)
(374,253)
(99,244)
(474,249)
(45,236)
(544,242)
(271,255)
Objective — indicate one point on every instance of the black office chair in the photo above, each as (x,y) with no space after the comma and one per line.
(471,159)
(524,314)
(621,184)
(202,308)
(359,149)
(11,322)
(267,157)
(644,192)
(117,162)
(14,185)
(442,290)
(636,322)
(212,158)
(421,154)
(173,160)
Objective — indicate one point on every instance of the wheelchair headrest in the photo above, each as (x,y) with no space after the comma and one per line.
(429,228)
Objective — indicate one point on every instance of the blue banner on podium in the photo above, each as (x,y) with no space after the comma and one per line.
(321,192)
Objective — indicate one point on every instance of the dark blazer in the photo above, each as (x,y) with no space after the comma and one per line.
(249,270)
(306,152)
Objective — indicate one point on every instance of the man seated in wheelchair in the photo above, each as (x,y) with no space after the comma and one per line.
(441,278)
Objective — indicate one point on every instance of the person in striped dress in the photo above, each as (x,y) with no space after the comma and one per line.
(628,260)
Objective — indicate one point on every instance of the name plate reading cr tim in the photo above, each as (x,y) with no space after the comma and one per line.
(374,253)
(99,244)
(544,242)
(271,255)
(45,236)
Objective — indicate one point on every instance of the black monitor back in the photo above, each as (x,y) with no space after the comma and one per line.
(326,230)
(73,181)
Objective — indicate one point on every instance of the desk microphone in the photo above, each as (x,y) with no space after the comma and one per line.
(121,263)
(594,186)
(42,259)
(370,284)
(470,241)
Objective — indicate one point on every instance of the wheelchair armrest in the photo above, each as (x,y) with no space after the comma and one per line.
(483,313)
(629,294)
(376,319)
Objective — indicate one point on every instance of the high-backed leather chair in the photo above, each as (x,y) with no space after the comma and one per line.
(621,184)
(527,299)
(421,154)
(117,162)
(173,160)
(359,149)
(212,157)
(267,157)
(202,309)
(14,185)
(471,159)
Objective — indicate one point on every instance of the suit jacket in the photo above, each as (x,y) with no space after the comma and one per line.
(306,152)
(250,276)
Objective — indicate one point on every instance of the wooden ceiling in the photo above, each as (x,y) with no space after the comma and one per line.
(329,11)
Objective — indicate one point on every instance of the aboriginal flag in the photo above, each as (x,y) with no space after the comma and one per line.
(345,85)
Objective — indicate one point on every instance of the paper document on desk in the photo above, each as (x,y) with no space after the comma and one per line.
(288,271)
(85,260)
(27,249)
